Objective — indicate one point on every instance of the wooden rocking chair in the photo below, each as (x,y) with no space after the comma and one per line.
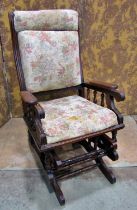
(47,58)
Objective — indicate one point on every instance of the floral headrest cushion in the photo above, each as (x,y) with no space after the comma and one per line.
(46,20)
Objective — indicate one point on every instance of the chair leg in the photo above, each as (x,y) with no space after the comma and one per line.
(56,188)
(58,192)
(30,138)
(106,171)
(47,164)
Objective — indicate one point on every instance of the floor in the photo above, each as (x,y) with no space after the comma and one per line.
(23,184)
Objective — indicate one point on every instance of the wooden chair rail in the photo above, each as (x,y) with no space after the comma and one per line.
(103,85)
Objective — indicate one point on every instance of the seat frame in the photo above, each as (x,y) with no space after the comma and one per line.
(97,144)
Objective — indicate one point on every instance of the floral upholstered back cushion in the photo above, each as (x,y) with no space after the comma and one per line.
(50,59)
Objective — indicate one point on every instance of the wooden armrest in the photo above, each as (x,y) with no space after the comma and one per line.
(118,95)
(110,89)
(104,85)
(28,97)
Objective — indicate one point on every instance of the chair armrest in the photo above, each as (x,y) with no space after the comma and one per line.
(107,88)
(104,85)
(28,97)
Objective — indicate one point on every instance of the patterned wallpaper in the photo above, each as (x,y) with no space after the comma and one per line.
(108,32)
(110,46)
(4,106)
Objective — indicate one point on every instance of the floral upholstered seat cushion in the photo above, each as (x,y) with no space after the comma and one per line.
(74,116)
(50,59)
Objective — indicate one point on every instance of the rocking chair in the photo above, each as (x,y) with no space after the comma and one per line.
(47,57)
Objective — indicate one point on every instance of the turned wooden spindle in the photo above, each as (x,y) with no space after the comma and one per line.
(88,94)
(95,96)
(102,99)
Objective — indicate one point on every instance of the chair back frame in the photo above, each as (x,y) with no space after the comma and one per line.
(18,64)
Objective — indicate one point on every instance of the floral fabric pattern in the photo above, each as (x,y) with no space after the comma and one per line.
(74,116)
(50,59)
(46,20)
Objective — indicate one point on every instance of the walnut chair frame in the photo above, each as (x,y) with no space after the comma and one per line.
(97,144)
